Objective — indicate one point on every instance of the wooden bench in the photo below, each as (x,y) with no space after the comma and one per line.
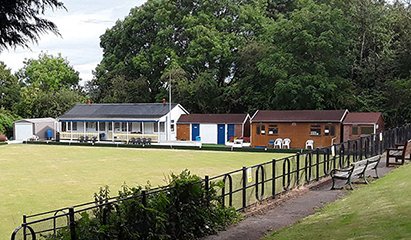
(400,154)
(357,169)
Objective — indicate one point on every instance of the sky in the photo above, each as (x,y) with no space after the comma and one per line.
(80,27)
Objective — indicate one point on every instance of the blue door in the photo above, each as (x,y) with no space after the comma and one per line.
(195,131)
(221,134)
(230,131)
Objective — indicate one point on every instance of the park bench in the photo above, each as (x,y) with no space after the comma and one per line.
(401,153)
(356,169)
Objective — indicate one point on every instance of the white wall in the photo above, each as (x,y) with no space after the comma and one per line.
(208,133)
(23,131)
(176,112)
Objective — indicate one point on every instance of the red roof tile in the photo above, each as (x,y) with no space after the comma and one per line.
(362,117)
(299,116)
(212,118)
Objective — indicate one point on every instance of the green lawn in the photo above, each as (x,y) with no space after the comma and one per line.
(35,178)
(381,210)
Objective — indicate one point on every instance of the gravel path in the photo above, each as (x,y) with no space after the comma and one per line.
(304,203)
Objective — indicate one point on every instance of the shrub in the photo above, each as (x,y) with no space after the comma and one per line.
(6,122)
(183,210)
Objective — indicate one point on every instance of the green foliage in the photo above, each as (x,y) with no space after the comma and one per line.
(6,122)
(36,103)
(240,56)
(199,38)
(185,210)
(48,73)
(21,21)
(49,87)
(9,88)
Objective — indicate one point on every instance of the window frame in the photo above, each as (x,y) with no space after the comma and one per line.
(356,130)
(315,128)
(274,128)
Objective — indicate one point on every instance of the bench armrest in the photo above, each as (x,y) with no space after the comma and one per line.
(332,173)
(393,149)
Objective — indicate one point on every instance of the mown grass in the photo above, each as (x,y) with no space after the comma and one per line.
(378,211)
(35,178)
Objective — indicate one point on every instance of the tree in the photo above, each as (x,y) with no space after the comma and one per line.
(49,73)
(9,88)
(302,61)
(50,87)
(201,37)
(21,21)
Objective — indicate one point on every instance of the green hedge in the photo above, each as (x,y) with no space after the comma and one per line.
(185,210)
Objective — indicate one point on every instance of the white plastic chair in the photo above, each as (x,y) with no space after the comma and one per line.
(278,142)
(309,144)
(286,143)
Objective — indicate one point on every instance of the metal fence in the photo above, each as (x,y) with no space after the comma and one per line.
(241,188)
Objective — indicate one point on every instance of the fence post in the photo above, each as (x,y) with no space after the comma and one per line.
(207,189)
(361,148)
(317,165)
(24,227)
(72,224)
(273,180)
(298,168)
(244,190)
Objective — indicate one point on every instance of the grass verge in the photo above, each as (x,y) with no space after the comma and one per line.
(378,211)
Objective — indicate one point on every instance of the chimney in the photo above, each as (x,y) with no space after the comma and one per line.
(164,101)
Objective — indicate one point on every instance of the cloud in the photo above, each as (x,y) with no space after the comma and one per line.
(80,28)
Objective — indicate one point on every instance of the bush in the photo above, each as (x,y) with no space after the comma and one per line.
(184,210)
(6,122)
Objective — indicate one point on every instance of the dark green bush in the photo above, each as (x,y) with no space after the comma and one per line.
(6,122)
(184,210)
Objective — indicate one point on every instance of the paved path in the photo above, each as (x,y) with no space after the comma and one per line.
(288,212)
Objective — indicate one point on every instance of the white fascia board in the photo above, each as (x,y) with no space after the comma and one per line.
(344,115)
(251,120)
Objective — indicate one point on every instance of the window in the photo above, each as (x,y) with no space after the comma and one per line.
(124,127)
(172,127)
(258,130)
(367,130)
(110,126)
(162,127)
(117,127)
(354,130)
(272,129)
(63,126)
(69,124)
(329,130)
(155,127)
(315,130)
(102,126)
(90,125)
(262,129)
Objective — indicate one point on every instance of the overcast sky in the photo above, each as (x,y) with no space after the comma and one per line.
(81,27)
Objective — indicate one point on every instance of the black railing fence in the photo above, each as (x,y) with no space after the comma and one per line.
(241,188)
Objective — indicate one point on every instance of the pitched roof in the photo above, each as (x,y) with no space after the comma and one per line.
(213,118)
(362,117)
(299,116)
(117,111)
(36,120)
